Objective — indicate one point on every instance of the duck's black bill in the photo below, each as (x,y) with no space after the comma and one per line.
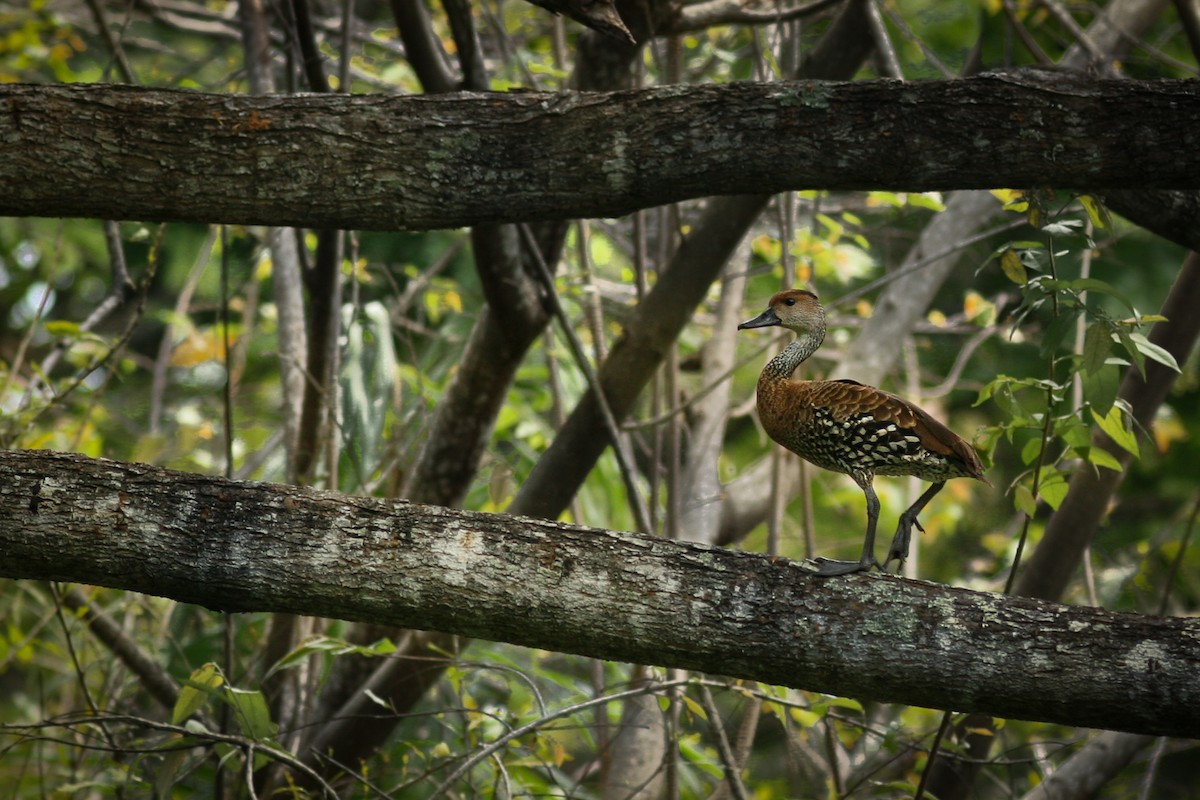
(764,320)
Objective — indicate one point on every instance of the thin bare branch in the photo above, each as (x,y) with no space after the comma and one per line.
(699,16)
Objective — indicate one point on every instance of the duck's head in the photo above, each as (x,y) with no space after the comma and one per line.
(795,309)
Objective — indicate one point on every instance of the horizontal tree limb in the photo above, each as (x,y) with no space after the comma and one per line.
(404,162)
(240,546)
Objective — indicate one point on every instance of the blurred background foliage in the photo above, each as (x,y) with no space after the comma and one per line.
(147,384)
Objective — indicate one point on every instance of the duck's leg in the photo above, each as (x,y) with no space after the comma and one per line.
(828,567)
(900,542)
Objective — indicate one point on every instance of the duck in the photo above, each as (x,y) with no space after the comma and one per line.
(848,427)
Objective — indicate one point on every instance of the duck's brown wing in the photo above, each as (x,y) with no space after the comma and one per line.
(893,424)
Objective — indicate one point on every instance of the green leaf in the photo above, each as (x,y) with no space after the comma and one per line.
(1013,269)
(1102,458)
(1029,452)
(1056,331)
(1062,227)
(1135,355)
(1100,388)
(1023,500)
(168,770)
(252,714)
(1090,285)
(1096,344)
(1116,424)
(1052,488)
(1006,400)
(196,690)
(331,646)
(1072,430)
(1153,351)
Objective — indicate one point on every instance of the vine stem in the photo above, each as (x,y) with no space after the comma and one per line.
(1047,427)
(516,733)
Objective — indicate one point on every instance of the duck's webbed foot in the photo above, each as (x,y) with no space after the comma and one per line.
(827,567)
(903,539)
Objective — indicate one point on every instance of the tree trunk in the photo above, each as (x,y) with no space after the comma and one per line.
(389,162)
(239,546)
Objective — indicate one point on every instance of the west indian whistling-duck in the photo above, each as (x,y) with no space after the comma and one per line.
(854,429)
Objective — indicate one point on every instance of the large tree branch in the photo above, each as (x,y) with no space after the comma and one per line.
(260,547)
(317,161)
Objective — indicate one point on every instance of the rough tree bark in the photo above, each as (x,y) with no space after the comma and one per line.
(251,546)
(316,161)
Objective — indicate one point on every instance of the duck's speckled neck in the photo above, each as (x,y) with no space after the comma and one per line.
(783,365)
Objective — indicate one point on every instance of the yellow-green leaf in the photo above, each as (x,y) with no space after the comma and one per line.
(1012,267)
(1116,425)
(60,328)
(847,703)
(1102,458)
(803,717)
(1053,488)
(1023,500)
(695,708)
(1096,212)
(196,690)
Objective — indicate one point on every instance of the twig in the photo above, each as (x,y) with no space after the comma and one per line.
(156,680)
(934,749)
(306,39)
(908,33)
(1025,36)
(186,732)
(620,448)
(122,289)
(1177,562)
(960,362)
(731,12)
(1081,36)
(537,723)
(466,41)
(114,47)
(158,377)
(102,361)
(883,45)
(728,759)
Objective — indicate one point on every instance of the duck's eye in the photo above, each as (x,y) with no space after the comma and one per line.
(791,301)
